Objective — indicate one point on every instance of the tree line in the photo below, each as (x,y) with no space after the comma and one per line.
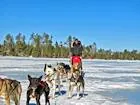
(43,46)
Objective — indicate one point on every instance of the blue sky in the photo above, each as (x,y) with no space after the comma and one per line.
(112,24)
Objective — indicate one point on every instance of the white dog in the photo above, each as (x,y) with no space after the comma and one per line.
(52,77)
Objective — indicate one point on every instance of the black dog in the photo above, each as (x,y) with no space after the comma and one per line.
(36,89)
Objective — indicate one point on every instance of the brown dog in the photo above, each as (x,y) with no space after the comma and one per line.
(10,89)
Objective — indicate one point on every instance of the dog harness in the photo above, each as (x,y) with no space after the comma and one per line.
(42,84)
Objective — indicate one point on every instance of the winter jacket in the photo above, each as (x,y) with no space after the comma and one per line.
(76,50)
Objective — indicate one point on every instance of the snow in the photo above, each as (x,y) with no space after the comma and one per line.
(101,76)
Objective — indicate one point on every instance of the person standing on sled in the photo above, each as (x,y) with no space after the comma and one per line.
(76,53)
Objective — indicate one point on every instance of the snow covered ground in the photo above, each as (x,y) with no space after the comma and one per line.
(108,82)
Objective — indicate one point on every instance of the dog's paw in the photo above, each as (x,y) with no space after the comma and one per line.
(51,97)
(69,97)
(64,81)
(78,98)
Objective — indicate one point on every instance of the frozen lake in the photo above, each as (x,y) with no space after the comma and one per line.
(108,82)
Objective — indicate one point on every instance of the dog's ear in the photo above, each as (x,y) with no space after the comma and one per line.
(54,69)
(63,64)
(45,67)
(50,66)
(29,77)
(40,77)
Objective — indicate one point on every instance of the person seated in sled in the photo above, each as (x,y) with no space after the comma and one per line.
(76,54)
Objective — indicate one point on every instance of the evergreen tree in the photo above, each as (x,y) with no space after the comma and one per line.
(36,51)
(20,44)
(69,41)
(9,45)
